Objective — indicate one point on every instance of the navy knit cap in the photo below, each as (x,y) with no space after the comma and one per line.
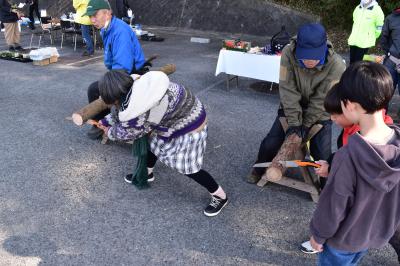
(311,42)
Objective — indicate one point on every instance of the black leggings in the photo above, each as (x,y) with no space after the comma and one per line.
(201,177)
(357,53)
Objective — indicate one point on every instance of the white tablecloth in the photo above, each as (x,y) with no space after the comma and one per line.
(256,66)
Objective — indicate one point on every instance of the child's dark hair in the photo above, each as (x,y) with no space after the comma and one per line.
(368,84)
(114,85)
(332,101)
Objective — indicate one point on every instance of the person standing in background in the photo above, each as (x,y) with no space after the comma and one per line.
(122,7)
(390,43)
(368,20)
(33,9)
(9,17)
(80,7)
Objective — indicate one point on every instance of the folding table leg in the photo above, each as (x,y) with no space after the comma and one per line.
(229,78)
(30,45)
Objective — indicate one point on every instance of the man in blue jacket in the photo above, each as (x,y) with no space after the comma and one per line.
(122,49)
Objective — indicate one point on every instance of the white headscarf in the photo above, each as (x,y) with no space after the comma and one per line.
(367,3)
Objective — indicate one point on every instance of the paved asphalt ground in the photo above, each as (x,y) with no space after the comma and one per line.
(63,200)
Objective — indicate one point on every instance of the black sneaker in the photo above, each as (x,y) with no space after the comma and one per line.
(128,178)
(95,132)
(253,177)
(19,49)
(11,49)
(215,206)
(86,53)
(150,178)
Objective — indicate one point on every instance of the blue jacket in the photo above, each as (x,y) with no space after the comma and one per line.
(121,47)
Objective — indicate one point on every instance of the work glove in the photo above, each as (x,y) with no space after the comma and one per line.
(301,131)
(295,130)
(305,131)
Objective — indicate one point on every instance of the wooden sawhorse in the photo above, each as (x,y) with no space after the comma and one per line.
(311,183)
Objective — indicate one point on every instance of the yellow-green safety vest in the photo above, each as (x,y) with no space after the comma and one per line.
(367,26)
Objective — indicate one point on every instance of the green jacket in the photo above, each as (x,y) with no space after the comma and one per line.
(367,26)
(302,91)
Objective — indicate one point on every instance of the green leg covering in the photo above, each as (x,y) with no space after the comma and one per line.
(139,149)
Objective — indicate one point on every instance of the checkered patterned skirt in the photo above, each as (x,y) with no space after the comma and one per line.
(184,153)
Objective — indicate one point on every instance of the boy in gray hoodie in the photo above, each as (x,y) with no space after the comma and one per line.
(359,207)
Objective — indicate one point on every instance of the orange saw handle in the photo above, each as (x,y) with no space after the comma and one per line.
(304,163)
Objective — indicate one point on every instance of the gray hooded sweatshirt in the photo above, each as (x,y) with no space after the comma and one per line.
(359,207)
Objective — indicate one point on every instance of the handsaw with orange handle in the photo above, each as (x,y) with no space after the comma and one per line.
(294,163)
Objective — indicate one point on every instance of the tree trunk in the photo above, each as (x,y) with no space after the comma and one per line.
(80,117)
(287,152)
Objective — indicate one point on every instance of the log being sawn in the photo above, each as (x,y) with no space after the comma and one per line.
(287,152)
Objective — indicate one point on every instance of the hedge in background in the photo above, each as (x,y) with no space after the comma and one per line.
(335,13)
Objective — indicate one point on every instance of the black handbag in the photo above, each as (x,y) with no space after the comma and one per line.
(280,40)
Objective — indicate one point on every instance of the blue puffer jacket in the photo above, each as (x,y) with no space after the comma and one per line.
(121,47)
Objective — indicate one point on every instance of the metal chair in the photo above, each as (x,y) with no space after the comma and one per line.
(70,28)
(46,27)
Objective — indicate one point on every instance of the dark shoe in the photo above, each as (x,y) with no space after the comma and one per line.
(94,132)
(253,177)
(11,49)
(215,206)
(150,178)
(306,247)
(129,178)
(86,53)
(19,49)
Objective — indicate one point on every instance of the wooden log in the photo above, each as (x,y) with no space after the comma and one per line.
(167,69)
(287,152)
(80,117)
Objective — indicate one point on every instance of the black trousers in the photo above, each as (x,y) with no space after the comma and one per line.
(33,9)
(93,94)
(202,177)
(357,53)
(122,9)
(320,144)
